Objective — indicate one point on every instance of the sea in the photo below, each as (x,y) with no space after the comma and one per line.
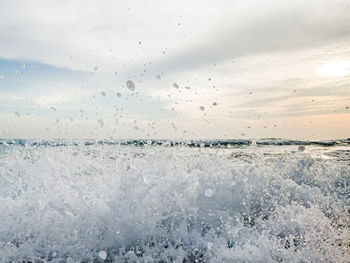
(160,201)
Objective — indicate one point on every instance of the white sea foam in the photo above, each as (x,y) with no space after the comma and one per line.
(176,204)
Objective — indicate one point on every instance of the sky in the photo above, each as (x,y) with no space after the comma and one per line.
(199,69)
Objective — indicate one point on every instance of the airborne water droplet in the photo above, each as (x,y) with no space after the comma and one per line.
(102,255)
(301,148)
(130,85)
(209,192)
(201,108)
(101,122)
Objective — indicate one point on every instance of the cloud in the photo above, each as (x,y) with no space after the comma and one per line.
(82,48)
(190,34)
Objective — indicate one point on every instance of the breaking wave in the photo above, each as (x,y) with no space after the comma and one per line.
(95,202)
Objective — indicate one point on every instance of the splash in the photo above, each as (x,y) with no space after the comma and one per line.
(120,203)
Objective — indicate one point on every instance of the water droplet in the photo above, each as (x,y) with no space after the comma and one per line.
(209,192)
(201,108)
(175,86)
(118,94)
(53,108)
(253,143)
(130,85)
(158,77)
(96,68)
(215,104)
(102,255)
(2,76)
(17,114)
(301,148)
(103,93)
(101,122)
(23,65)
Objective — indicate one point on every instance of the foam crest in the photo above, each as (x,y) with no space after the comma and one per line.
(112,203)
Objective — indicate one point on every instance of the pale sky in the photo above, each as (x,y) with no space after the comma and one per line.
(201,69)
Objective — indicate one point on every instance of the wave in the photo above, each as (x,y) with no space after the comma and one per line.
(188,143)
(114,203)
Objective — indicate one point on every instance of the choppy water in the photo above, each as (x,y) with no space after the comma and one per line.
(101,201)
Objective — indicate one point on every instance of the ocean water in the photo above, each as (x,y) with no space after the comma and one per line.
(157,201)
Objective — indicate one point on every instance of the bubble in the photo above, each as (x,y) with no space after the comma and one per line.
(102,255)
(209,192)
(130,85)
(101,122)
(201,108)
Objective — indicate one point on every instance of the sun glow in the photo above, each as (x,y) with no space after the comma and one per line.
(334,69)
